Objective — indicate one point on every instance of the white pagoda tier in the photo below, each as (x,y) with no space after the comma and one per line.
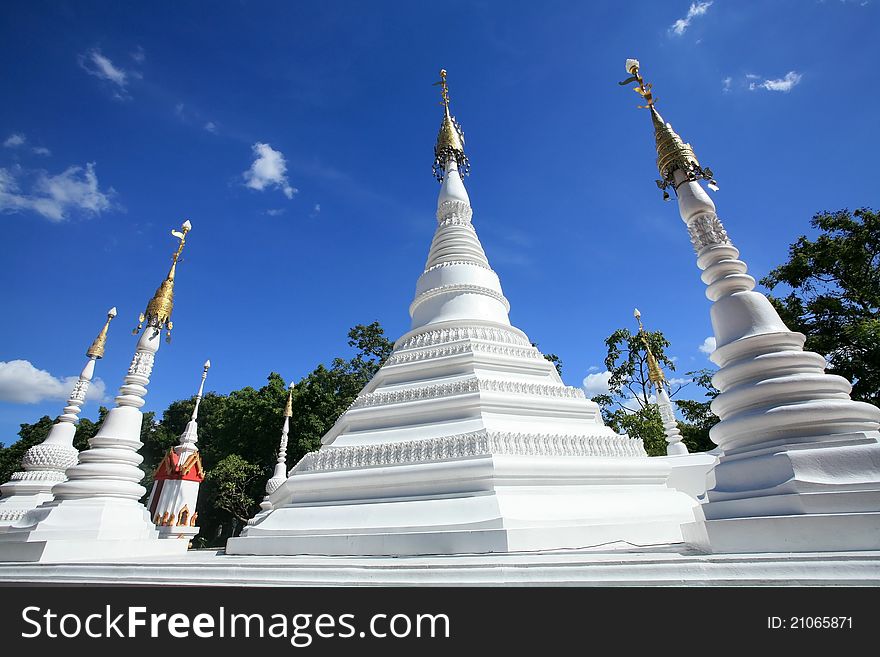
(466,440)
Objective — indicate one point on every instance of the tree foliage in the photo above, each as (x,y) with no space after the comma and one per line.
(698,416)
(628,406)
(834,297)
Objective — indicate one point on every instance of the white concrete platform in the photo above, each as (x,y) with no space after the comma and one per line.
(613,565)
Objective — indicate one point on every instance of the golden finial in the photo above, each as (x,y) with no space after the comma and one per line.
(288,409)
(655,374)
(450,140)
(672,152)
(158,312)
(97,349)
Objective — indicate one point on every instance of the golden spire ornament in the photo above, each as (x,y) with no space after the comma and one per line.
(673,154)
(655,373)
(288,409)
(158,312)
(450,140)
(96,350)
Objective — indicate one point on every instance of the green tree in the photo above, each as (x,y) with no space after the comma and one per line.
(698,415)
(834,297)
(627,407)
(233,485)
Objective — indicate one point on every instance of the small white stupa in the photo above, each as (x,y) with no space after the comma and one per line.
(175,492)
(466,440)
(801,463)
(43,465)
(674,444)
(279,476)
(97,513)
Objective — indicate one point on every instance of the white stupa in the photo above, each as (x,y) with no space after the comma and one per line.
(466,440)
(43,465)
(97,512)
(674,444)
(175,492)
(801,465)
(279,475)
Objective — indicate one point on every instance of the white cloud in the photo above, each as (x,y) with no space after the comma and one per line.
(139,55)
(55,197)
(41,150)
(210,126)
(13,140)
(596,384)
(315,211)
(786,84)
(725,84)
(677,381)
(708,345)
(22,383)
(269,169)
(696,9)
(275,212)
(95,63)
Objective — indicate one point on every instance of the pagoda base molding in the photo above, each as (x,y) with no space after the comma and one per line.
(815,495)
(486,504)
(85,529)
(13,508)
(812,532)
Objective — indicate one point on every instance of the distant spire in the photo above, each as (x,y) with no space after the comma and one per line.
(205,368)
(655,374)
(674,444)
(280,474)
(672,152)
(96,350)
(450,140)
(158,312)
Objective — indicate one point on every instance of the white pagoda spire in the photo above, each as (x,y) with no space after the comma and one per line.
(97,511)
(674,444)
(280,474)
(175,492)
(43,465)
(457,283)
(801,463)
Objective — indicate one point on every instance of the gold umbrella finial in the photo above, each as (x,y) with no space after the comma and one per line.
(673,154)
(158,312)
(96,350)
(450,139)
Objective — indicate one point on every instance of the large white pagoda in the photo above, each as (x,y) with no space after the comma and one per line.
(466,440)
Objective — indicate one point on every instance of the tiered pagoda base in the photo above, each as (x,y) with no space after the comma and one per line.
(483,502)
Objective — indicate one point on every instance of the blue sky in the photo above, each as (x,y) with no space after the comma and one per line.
(121,119)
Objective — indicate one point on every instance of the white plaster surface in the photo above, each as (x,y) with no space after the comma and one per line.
(622,566)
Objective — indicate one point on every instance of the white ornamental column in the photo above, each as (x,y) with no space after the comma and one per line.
(674,445)
(801,463)
(175,493)
(96,513)
(280,474)
(43,465)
